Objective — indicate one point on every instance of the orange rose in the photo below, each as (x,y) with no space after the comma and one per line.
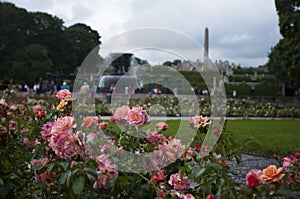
(272,173)
(89,121)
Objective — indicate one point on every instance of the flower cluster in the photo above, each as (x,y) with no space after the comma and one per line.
(135,116)
(84,157)
(107,170)
(179,182)
(63,141)
(199,121)
(287,176)
(64,97)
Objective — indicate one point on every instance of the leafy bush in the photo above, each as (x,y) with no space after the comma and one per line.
(239,79)
(48,153)
(242,89)
(265,89)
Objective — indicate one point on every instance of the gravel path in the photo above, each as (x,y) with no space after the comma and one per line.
(249,162)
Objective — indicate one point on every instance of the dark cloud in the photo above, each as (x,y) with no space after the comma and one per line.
(241,31)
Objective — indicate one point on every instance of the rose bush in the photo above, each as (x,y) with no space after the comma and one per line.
(236,107)
(274,181)
(46,152)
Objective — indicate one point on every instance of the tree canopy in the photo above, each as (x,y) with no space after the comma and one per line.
(33,43)
(284,58)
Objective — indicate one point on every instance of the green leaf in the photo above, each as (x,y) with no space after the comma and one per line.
(198,172)
(220,184)
(13,176)
(49,115)
(75,171)
(216,166)
(90,171)
(289,193)
(78,185)
(123,180)
(50,167)
(63,177)
(64,165)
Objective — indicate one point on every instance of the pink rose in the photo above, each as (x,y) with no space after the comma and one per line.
(160,177)
(63,141)
(64,144)
(46,130)
(63,124)
(63,95)
(137,117)
(162,126)
(253,177)
(12,125)
(29,144)
(199,121)
(189,154)
(105,165)
(42,161)
(286,162)
(37,108)
(3,104)
(173,149)
(121,115)
(103,125)
(89,121)
(162,194)
(154,137)
(24,131)
(187,196)
(101,182)
(179,183)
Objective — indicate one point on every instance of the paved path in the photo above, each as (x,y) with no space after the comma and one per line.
(249,162)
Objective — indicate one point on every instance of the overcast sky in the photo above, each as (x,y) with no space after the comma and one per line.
(241,31)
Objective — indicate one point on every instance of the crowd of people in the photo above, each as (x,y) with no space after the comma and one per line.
(45,89)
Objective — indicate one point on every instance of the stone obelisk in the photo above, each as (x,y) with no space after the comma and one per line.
(206,45)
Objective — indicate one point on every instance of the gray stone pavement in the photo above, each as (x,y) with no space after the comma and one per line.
(249,162)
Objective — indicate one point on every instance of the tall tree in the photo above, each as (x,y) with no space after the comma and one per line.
(284,58)
(23,33)
(49,32)
(83,38)
(14,28)
(30,64)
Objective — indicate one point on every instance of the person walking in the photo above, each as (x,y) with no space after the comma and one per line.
(84,92)
(65,86)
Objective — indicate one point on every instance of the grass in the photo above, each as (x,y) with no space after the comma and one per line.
(280,137)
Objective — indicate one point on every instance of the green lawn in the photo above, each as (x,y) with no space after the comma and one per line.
(281,137)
